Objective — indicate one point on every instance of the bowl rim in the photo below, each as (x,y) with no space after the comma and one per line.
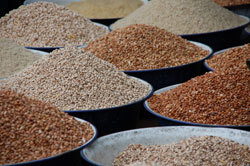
(59,47)
(58,155)
(199,44)
(146,106)
(150,93)
(217,53)
(141,130)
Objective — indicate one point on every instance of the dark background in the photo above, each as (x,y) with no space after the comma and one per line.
(7,5)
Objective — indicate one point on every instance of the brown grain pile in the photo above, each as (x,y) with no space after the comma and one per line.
(196,151)
(105,8)
(14,57)
(72,79)
(218,98)
(44,24)
(139,47)
(32,130)
(183,16)
(231,59)
(232,2)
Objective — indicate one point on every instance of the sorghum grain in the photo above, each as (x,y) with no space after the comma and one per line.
(231,59)
(105,8)
(196,151)
(14,57)
(45,24)
(231,2)
(32,130)
(218,98)
(72,79)
(139,47)
(183,16)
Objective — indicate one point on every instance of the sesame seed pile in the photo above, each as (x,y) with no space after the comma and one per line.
(32,130)
(14,57)
(139,47)
(183,16)
(72,79)
(45,24)
(231,59)
(196,151)
(218,98)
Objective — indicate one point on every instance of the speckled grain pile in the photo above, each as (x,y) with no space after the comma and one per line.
(72,79)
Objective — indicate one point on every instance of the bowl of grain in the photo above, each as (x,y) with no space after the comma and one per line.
(117,118)
(217,27)
(102,11)
(215,99)
(169,145)
(229,58)
(51,26)
(152,54)
(47,136)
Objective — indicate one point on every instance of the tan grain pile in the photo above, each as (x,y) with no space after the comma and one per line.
(72,79)
(231,59)
(14,57)
(195,151)
(231,2)
(44,24)
(139,47)
(183,16)
(105,8)
(32,130)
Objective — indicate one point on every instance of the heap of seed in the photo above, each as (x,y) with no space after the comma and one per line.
(32,130)
(14,57)
(139,47)
(218,98)
(231,59)
(105,8)
(196,151)
(45,24)
(72,79)
(231,2)
(183,17)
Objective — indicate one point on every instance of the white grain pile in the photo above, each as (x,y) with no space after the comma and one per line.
(14,57)
(195,151)
(183,16)
(72,79)
(44,24)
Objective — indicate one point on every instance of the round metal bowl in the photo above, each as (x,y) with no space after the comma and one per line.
(163,77)
(114,119)
(103,151)
(220,39)
(165,121)
(50,49)
(71,157)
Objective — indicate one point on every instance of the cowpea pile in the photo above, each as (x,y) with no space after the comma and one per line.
(32,130)
(45,24)
(72,79)
(231,59)
(183,16)
(196,151)
(140,47)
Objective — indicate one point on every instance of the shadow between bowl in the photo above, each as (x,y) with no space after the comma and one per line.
(163,77)
(166,121)
(114,119)
(67,158)
(219,40)
(103,151)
